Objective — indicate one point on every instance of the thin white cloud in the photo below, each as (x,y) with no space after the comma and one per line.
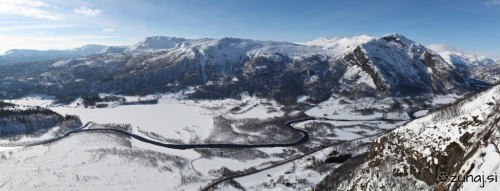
(30,8)
(108,30)
(3,23)
(29,3)
(88,12)
(444,48)
(44,26)
(40,32)
(492,2)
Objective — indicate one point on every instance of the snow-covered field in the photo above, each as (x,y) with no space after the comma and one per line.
(189,154)
(92,161)
(175,121)
(34,100)
(343,109)
(299,173)
(204,165)
(105,161)
(259,178)
(445,99)
(421,113)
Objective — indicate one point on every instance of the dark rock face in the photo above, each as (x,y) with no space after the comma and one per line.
(381,89)
(450,160)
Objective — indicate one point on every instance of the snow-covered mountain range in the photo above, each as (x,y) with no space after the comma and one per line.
(391,65)
(156,43)
(27,55)
(471,60)
(473,66)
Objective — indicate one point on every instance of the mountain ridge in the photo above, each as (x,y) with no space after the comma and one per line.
(158,43)
(363,66)
(334,46)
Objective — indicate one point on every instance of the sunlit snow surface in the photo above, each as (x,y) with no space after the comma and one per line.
(165,119)
(88,162)
(176,118)
(421,113)
(34,100)
(445,99)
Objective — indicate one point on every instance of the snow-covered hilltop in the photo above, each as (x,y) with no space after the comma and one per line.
(155,43)
(341,44)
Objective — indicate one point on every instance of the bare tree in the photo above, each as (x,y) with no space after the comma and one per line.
(495,138)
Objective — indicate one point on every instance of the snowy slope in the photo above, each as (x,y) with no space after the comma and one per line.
(457,140)
(155,43)
(173,121)
(96,161)
(341,44)
(113,49)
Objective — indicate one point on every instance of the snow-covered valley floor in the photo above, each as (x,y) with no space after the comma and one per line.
(111,161)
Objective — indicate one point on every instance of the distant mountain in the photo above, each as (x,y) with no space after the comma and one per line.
(26,55)
(473,66)
(464,59)
(363,66)
(489,73)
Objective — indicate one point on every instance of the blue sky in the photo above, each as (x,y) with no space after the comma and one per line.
(471,25)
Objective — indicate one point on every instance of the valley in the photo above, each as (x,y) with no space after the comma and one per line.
(234,114)
(169,127)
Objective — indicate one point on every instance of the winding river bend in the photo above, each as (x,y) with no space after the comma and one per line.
(304,138)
